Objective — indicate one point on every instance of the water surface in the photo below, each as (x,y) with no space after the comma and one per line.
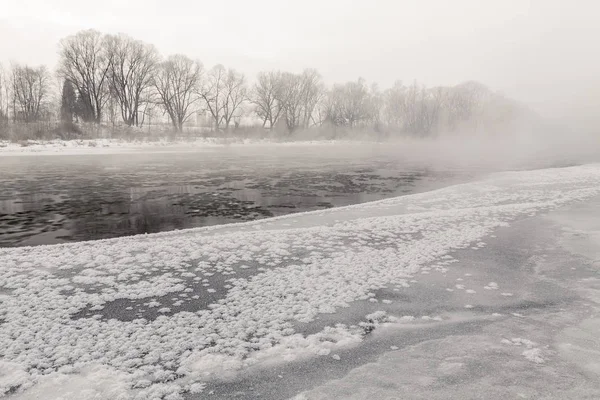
(55,199)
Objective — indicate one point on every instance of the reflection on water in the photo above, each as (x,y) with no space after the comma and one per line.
(51,199)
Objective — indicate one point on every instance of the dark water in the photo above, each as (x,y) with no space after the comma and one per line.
(56,199)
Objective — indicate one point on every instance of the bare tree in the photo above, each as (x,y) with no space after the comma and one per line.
(290,97)
(4,103)
(393,99)
(213,93)
(376,105)
(235,95)
(223,92)
(351,103)
(433,105)
(177,82)
(299,97)
(411,108)
(130,73)
(4,95)
(266,96)
(311,92)
(85,63)
(406,108)
(325,112)
(465,103)
(417,110)
(30,90)
(149,104)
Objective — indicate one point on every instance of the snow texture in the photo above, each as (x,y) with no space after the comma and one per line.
(64,326)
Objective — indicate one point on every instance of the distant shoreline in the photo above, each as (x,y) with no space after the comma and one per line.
(111,146)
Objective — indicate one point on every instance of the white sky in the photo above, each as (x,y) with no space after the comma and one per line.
(543,52)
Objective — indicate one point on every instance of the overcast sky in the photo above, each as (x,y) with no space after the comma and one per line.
(543,52)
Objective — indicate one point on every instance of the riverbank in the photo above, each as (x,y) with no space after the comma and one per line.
(114,146)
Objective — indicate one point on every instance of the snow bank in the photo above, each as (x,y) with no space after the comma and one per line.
(111,146)
(63,309)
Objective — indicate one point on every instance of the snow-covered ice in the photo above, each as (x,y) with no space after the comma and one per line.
(63,322)
(115,146)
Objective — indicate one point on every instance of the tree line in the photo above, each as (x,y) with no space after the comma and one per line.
(116,78)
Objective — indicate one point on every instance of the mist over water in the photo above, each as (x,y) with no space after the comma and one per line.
(53,199)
